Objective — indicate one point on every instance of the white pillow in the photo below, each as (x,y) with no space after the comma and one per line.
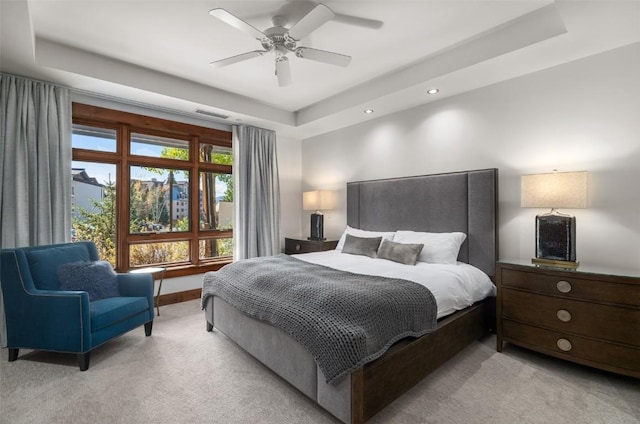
(363,233)
(439,248)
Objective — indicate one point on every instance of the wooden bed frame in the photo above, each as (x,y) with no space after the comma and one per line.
(461,201)
(380,382)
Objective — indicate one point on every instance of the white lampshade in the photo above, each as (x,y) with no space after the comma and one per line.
(317,200)
(567,190)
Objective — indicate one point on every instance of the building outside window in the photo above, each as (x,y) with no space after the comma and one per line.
(152,192)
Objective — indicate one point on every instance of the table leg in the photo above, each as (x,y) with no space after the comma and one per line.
(158,295)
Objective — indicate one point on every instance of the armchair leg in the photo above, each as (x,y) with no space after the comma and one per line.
(13,354)
(147,328)
(83,361)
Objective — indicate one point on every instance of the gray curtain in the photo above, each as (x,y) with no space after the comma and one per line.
(256,193)
(35,165)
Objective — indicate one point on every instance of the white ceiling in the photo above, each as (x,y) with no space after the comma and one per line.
(158,52)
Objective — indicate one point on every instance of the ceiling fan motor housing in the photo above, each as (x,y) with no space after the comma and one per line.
(278,38)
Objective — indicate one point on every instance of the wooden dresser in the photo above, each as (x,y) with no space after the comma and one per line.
(588,316)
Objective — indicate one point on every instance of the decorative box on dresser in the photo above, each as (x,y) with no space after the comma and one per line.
(590,316)
(293,246)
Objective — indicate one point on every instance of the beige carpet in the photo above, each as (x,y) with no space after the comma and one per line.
(183,374)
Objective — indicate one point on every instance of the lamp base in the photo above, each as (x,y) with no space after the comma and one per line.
(316,239)
(317,226)
(556,237)
(555,263)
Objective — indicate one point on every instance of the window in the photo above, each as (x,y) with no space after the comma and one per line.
(149,191)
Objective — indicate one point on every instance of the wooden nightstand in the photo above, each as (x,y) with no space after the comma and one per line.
(589,316)
(293,246)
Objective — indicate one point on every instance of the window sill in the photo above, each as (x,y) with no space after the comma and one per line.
(181,271)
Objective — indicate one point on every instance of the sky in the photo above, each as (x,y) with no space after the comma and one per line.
(107,172)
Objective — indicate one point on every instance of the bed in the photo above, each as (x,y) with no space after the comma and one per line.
(453,202)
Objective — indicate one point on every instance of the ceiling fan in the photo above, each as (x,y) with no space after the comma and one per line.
(281,41)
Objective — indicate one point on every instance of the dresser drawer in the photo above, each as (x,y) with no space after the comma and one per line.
(609,356)
(611,323)
(297,246)
(572,287)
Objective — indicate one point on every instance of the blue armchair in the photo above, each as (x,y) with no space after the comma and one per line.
(41,316)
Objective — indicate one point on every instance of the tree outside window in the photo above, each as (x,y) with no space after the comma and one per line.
(171,181)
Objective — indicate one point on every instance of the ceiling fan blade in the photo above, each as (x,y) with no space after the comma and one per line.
(358,21)
(283,71)
(237,23)
(323,56)
(313,20)
(238,58)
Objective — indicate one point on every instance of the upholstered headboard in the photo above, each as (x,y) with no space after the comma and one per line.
(460,201)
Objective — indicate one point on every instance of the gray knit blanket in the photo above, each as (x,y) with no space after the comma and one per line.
(343,319)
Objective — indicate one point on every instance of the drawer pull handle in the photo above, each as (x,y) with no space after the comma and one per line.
(563,286)
(564,345)
(564,315)
(298,247)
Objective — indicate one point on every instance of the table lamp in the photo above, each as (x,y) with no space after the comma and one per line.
(555,231)
(317,201)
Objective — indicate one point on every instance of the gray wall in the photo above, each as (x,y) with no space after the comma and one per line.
(581,116)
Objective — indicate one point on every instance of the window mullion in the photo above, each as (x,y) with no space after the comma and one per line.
(122,200)
(194,200)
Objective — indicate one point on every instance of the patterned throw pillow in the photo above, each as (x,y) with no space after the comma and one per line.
(98,279)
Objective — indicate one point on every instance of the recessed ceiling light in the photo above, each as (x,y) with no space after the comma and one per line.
(368,111)
(433,91)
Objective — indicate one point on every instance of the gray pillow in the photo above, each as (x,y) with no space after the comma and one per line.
(366,246)
(98,279)
(404,253)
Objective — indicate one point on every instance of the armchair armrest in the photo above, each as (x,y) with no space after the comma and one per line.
(137,285)
(50,319)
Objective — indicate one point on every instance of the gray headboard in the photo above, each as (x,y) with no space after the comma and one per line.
(459,201)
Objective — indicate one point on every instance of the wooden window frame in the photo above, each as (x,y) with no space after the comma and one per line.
(125,123)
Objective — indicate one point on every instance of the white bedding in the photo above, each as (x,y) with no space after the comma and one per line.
(454,286)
